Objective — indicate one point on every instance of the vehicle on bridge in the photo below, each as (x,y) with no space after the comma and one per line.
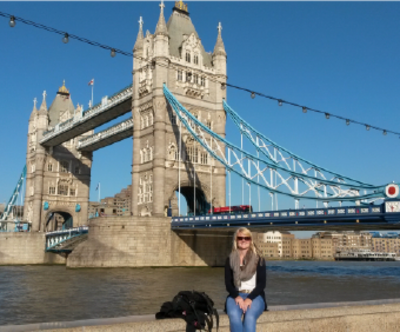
(231,209)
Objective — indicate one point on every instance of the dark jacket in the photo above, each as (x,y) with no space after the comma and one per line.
(261,281)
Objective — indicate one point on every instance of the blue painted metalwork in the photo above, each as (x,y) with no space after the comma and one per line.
(248,130)
(46,206)
(78,208)
(359,216)
(56,241)
(203,135)
(14,196)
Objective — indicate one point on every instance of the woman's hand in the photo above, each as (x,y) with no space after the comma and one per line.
(246,305)
(239,301)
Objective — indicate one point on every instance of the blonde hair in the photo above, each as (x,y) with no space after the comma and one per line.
(246,232)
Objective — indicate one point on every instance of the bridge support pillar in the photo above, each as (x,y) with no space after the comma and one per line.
(136,242)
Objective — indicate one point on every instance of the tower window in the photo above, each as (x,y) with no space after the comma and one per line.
(203,81)
(52,190)
(50,167)
(180,76)
(196,79)
(188,77)
(187,57)
(204,158)
(196,59)
(192,154)
(72,192)
(77,170)
(63,190)
(208,124)
(64,166)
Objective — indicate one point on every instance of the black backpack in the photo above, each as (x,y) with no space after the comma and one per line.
(196,308)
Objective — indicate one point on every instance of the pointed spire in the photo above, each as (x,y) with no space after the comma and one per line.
(219,48)
(161,27)
(43,107)
(34,104)
(139,39)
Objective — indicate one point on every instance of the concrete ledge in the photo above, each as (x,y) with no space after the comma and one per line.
(369,316)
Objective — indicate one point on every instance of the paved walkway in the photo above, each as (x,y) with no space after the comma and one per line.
(71,325)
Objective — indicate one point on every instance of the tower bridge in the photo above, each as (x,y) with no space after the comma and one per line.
(179,112)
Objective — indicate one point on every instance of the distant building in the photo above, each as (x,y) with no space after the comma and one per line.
(119,205)
(384,244)
(302,248)
(282,241)
(322,248)
(348,240)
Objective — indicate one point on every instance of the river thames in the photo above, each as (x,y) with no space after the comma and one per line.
(34,294)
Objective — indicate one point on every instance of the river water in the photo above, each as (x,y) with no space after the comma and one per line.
(34,294)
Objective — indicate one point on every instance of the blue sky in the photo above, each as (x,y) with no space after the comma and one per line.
(339,57)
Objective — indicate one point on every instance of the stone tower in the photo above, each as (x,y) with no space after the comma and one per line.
(58,179)
(174,55)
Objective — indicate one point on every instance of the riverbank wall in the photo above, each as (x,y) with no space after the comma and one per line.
(25,249)
(366,316)
(148,241)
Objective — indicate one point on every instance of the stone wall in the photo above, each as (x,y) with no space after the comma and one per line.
(26,248)
(148,241)
(371,318)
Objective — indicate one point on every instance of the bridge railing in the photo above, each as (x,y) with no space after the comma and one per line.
(56,238)
(112,101)
(80,229)
(119,127)
(286,215)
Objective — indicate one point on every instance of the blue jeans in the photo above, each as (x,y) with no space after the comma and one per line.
(250,317)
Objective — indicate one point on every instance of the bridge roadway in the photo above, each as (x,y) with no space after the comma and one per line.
(373,217)
(110,108)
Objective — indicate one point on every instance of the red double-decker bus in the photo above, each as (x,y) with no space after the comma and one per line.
(231,209)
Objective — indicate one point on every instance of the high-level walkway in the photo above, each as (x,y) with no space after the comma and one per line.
(110,108)
(109,136)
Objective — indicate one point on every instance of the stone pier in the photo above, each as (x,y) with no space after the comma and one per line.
(148,241)
(25,249)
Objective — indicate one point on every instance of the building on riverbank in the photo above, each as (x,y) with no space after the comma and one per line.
(118,205)
(346,240)
(384,244)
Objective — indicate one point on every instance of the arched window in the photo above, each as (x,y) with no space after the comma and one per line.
(50,167)
(146,123)
(196,59)
(187,57)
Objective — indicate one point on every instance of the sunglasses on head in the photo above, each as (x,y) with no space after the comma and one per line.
(241,238)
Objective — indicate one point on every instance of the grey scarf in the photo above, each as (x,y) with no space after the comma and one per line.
(248,269)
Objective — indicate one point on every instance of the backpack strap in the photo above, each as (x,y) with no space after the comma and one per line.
(211,310)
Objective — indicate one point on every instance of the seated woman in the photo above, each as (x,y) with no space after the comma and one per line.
(245,280)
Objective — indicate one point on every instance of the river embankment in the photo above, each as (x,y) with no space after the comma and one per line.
(382,316)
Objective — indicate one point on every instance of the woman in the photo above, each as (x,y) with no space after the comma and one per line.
(245,280)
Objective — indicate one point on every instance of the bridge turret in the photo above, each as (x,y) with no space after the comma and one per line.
(139,39)
(174,55)
(219,54)
(58,177)
(35,160)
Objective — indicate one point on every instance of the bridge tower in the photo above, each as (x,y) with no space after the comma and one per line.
(58,178)
(174,55)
